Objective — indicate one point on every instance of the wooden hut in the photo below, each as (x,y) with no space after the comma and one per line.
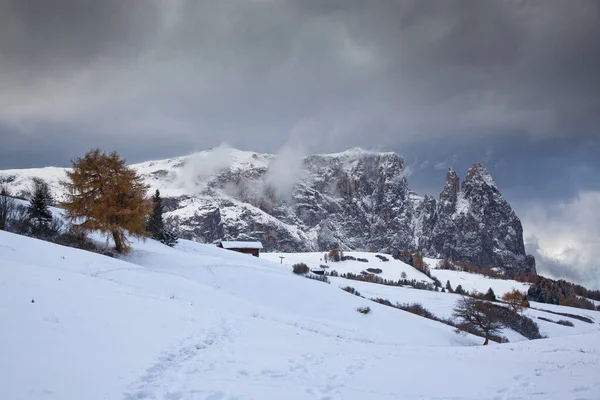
(242,247)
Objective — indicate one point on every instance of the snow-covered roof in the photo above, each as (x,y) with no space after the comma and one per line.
(241,245)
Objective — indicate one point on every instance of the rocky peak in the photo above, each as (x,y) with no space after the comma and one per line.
(451,188)
(476,224)
(478,174)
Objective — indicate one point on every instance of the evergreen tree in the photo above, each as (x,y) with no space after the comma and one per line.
(459,290)
(490,295)
(449,287)
(156,225)
(38,210)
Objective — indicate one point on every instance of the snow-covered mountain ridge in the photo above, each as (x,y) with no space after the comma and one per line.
(355,199)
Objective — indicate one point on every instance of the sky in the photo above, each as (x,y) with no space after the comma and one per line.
(514,84)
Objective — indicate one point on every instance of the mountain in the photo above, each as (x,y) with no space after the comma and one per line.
(355,199)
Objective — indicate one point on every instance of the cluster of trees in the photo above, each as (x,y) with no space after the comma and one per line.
(388,282)
(414,259)
(33,218)
(101,194)
(470,267)
(545,290)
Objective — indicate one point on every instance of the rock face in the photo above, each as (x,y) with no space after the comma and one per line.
(350,200)
(476,224)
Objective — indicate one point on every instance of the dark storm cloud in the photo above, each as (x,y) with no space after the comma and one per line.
(255,72)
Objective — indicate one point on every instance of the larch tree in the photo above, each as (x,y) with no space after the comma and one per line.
(516,300)
(104,194)
(479,316)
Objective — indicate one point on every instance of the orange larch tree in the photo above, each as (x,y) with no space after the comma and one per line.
(104,194)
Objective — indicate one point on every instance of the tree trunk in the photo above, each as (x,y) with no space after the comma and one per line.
(118,241)
(487,339)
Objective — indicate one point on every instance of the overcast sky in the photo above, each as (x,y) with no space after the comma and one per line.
(514,84)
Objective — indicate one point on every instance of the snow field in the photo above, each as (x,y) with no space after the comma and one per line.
(198,322)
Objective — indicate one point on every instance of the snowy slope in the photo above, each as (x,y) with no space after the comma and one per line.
(198,322)
(391,269)
(474,282)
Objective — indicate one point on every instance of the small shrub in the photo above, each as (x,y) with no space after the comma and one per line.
(385,302)
(445,264)
(348,258)
(300,269)
(382,258)
(364,310)
(323,266)
(351,290)
(564,322)
(362,260)
(375,270)
(418,309)
(334,255)
(574,316)
(559,322)
(320,278)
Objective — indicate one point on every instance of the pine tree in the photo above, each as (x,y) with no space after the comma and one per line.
(449,287)
(38,210)
(155,224)
(490,295)
(459,290)
(103,194)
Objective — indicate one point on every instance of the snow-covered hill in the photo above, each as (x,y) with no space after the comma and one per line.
(199,322)
(353,200)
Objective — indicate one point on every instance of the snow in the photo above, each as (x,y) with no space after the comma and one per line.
(391,269)
(199,322)
(474,282)
(241,245)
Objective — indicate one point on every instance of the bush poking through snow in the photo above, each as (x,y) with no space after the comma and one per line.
(362,260)
(559,322)
(375,270)
(364,310)
(320,278)
(351,290)
(382,258)
(564,322)
(300,269)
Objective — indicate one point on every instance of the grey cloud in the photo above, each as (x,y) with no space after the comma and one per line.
(250,72)
(554,268)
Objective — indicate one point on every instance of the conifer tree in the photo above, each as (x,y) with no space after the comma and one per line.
(155,223)
(156,226)
(490,295)
(103,194)
(38,210)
